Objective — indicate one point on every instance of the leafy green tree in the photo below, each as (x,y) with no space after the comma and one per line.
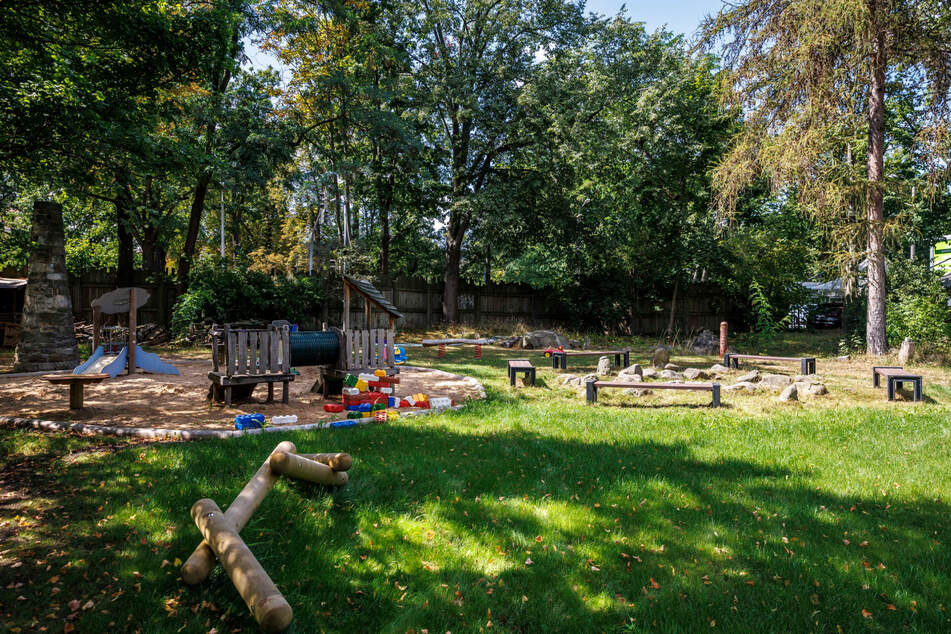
(813,78)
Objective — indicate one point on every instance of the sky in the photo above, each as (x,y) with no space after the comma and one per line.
(679,16)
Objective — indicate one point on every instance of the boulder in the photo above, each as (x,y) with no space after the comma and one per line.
(604,366)
(907,351)
(626,376)
(775,381)
(817,389)
(671,374)
(588,377)
(693,374)
(750,377)
(649,373)
(674,367)
(705,343)
(736,387)
(844,357)
(719,368)
(541,339)
(632,369)
(564,379)
(660,356)
(789,394)
(638,391)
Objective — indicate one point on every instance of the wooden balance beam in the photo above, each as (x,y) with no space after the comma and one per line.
(592,388)
(807,365)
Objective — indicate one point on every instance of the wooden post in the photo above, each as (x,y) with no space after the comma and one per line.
(96,326)
(202,560)
(76,395)
(265,601)
(723,337)
(336,461)
(295,466)
(132,325)
(366,312)
(346,306)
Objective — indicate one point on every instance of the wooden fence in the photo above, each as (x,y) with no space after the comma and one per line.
(698,306)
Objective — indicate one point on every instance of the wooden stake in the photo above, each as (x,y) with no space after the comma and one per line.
(265,601)
(200,563)
(295,466)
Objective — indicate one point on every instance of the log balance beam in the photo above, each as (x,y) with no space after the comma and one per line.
(222,541)
(267,604)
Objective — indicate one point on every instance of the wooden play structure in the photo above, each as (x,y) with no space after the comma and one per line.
(250,358)
(242,358)
(807,365)
(221,539)
(559,358)
(76,383)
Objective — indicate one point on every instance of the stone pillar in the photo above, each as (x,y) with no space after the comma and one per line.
(47,341)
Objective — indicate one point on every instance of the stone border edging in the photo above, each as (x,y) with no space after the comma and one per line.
(195,434)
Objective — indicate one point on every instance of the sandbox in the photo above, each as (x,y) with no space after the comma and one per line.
(180,402)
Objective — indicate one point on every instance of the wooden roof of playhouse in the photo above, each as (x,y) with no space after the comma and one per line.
(371,296)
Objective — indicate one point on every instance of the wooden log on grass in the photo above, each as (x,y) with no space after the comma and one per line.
(301,468)
(199,564)
(267,604)
(336,461)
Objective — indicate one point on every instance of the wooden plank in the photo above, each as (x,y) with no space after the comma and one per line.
(390,352)
(242,352)
(346,306)
(230,352)
(660,386)
(378,347)
(364,357)
(265,344)
(286,347)
(275,343)
(252,353)
(214,351)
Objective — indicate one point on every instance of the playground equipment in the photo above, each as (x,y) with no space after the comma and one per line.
(113,357)
(220,531)
(336,352)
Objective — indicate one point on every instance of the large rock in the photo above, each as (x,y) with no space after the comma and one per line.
(789,394)
(751,377)
(670,374)
(632,369)
(565,379)
(638,391)
(47,341)
(674,367)
(693,374)
(719,368)
(660,357)
(705,343)
(775,381)
(812,388)
(907,351)
(737,387)
(604,366)
(624,375)
(649,373)
(541,339)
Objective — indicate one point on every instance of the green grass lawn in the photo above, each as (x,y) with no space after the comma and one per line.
(529,511)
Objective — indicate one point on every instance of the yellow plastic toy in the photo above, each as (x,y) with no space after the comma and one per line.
(362,385)
(379,373)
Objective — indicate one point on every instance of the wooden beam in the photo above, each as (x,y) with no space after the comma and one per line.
(132,319)
(346,305)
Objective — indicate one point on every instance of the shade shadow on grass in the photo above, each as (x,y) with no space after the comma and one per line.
(567,535)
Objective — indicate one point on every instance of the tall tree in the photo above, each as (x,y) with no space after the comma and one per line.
(472,61)
(812,78)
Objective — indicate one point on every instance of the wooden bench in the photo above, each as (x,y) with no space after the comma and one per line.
(807,365)
(251,356)
(559,358)
(592,388)
(523,366)
(896,376)
(76,384)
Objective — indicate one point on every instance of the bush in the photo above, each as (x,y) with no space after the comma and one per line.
(238,294)
(917,305)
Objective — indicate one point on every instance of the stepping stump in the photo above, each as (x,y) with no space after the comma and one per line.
(76,383)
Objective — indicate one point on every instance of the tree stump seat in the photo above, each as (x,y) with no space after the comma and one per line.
(76,383)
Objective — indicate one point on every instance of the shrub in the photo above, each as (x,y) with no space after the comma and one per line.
(917,305)
(239,294)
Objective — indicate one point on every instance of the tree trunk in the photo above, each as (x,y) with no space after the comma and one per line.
(194,224)
(385,202)
(875,340)
(450,298)
(126,264)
